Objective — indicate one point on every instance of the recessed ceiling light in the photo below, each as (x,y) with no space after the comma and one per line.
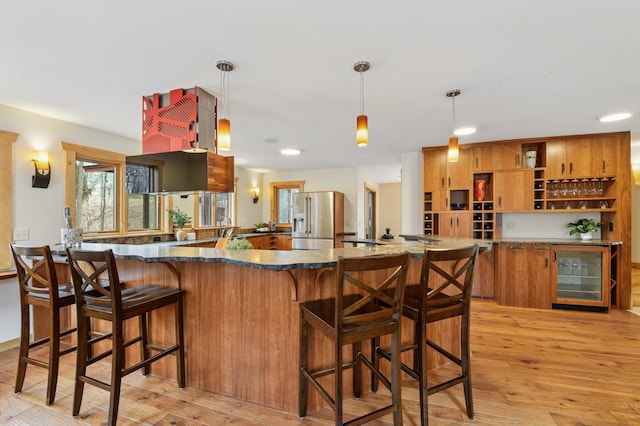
(290,151)
(462,131)
(616,116)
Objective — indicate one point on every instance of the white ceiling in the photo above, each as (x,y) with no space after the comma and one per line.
(526,68)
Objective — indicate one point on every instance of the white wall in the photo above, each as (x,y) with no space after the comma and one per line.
(248,213)
(38,209)
(550,225)
(390,207)
(412,193)
(342,180)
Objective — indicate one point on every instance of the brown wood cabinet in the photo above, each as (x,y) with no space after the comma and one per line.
(435,170)
(607,157)
(455,224)
(513,190)
(458,172)
(507,156)
(482,158)
(599,162)
(523,275)
(574,158)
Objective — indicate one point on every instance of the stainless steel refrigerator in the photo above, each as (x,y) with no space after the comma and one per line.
(318,220)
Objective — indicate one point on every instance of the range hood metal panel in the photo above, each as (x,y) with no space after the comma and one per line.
(180,171)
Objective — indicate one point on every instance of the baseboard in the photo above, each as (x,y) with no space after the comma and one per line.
(9,344)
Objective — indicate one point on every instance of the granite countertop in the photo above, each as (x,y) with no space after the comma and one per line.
(268,259)
(557,241)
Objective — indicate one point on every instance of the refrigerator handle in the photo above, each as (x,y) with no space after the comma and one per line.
(307,214)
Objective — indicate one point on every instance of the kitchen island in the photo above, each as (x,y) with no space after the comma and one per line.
(241,315)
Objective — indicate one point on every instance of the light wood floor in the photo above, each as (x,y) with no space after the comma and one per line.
(530,367)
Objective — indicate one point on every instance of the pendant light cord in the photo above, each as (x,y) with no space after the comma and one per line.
(453,102)
(361,93)
(224,90)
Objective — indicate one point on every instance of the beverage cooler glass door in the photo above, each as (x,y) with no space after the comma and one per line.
(579,277)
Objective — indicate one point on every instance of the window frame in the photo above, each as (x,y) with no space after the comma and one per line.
(73,152)
(7,139)
(274,187)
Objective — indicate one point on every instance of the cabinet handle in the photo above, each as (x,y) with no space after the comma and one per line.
(449,182)
(546,262)
(500,201)
(516,247)
(457,221)
(446,201)
(517,159)
(442,183)
(563,168)
(477,162)
(604,166)
(571,168)
(451,222)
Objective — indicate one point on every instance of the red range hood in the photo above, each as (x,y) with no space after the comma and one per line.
(183,119)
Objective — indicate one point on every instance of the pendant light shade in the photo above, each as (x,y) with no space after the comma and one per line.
(452,154)
(454,149)
(223,136)
(362,126)
(362,131)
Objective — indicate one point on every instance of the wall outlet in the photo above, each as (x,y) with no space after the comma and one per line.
(20,234)
(512,224)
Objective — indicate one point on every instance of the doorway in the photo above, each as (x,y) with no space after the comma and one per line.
(369,212)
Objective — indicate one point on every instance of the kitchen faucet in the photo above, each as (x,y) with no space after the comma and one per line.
(222,218)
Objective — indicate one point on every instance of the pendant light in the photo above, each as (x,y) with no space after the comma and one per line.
(453,139)
(223,138)
(362,127)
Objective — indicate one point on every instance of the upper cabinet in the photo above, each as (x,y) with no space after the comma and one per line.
(513,190)
(507,155)
(482,158)
(458,173)
(607,156)
(581,158)
(570,158)
(435,169)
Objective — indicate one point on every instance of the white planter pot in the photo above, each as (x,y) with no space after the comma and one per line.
(586,236)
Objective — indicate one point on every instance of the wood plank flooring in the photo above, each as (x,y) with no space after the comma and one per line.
(530,367)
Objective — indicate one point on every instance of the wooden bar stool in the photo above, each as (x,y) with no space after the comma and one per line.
(116,305)
(444,292)
(351,317)
(39,286)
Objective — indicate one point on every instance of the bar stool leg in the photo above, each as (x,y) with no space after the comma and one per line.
(54,355)
(180,372)
(144,352)
(302,391)
(338,385)
(24,348)
(82,355)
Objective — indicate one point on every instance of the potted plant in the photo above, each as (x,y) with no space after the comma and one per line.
(239,244)
(179,218)
(585,227)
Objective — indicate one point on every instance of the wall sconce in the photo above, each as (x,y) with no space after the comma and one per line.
(635,171)
(42,174)
(256,195)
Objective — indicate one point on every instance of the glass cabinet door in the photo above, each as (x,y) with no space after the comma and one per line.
(580,276)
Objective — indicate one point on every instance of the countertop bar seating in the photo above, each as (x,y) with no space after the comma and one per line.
(117,305)
(39,287)
(350,317)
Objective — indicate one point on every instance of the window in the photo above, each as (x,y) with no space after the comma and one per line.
(95,196)
(95,193)
(142,209)
(220,206)
(281,200)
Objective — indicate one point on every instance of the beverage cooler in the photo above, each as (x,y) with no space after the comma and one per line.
(581,278)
